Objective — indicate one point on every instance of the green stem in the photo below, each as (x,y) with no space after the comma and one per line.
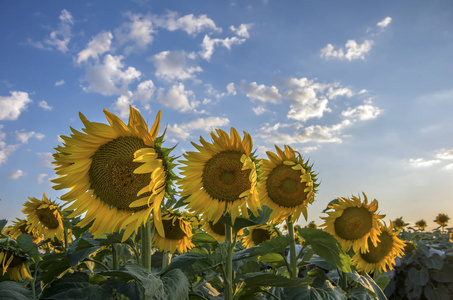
(293,272)
(166,259)
(147,237)
(229,263)
(99,263)
(115,258)
(65,233)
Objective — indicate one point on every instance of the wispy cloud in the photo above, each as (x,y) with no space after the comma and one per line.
(422,163)
(58,83)
(183,131)
(384,23)
(44,105)
(24,136)
(445,154)
(16,174)
(98,45)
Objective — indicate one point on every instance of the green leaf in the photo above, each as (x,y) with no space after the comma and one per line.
(432,292)
(53,265)
(184,261)
(176,285)
(260,279)
(325,245)
(274,260)
(435,261)
(275,245)
(216,258)
(2,224)
(25,242)
(12,290)
(445,275)
(152,285)
(419,277)
(308,292)
(368,283)
(180,202)
(360,294)
(239,223)
(201,238)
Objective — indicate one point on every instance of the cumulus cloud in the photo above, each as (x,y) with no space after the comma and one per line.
(231,89)
(44,105)
(41,177)
(177,98)
(384,23)
(46,159)
(139,31)
(172,65)
(60,37)
(352,50)
(183,131)
(242,30)
(98,45)
(144,93)
(16,174)
(122,105)
(362,112)
(188,23)
(445,154)
(24,136)
(260,92)
(58,83)
(209,44)
(110,78)
(422,163)
(5,150)
(11,107)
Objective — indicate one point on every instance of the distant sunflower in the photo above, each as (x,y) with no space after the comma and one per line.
(442,220)
(312,224)
(45,217)
(118,174)
(221,177)
(288,184)
(382,255)
(13,263)
(451,237)
(421,224)
(22,226)
(178,234)
(353,223)
(399,223)
(258,234)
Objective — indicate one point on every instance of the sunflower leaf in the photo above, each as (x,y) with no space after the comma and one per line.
(183,261)
(368,283)
(216,258)
(14,290)
(2,224)
(325,245)
(176,284)
(261,279)
(25,242)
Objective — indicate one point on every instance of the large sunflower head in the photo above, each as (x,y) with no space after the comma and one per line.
(118,174)
(288,184)
(381,256)
(399,223)
(178,233)
(22,226)
(44,216)
(221,177)
(258,234)
(13,262)
(442,219)
(421,224)
(353,223)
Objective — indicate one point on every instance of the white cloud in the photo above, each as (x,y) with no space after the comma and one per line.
(242,30)
(260,92)
(44,105)
(98,45)
(139,31)
(41,178)
(259,110)
(209,44)
(362,112)
(16,174)
(109,78)
(177,98)
(188,23)
(449,167)
(144,93)
(208,124)
(353,50)
(23,136)
(61,37)
(5,150)
(231,89)
(58,83)
(46,159)
(122,105)
(172,65)
(445,154)
(421,163)
(340,92)
(12,106)
(384,23)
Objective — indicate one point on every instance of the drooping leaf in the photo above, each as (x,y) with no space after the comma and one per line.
(435,261)
(184,261)
(368,283)
(53,265)
(201,238)
(274,260)
(2,224)
(325,245)
(308,292)
(25,242)
(176,285)
(12,290)
(152,285)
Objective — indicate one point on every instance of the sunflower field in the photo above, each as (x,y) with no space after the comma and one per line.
(222,227)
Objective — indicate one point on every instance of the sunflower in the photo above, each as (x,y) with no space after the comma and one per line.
(353,223)
(178,233)
(13,262)
(312,224)
(288,184)
(442,220)
(45,217)
(118,174)
(217,230)
(421,224)
(399,223)
(221,177)
(22,226)
(258,234)
(381,255)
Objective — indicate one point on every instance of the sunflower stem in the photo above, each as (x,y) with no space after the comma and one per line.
(166,259)
(293,272)
(147,236)
(229,263)
(65,234)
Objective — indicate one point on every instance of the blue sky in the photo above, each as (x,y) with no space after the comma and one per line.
(361,88)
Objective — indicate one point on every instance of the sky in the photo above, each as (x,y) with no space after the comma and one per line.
(363,89)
